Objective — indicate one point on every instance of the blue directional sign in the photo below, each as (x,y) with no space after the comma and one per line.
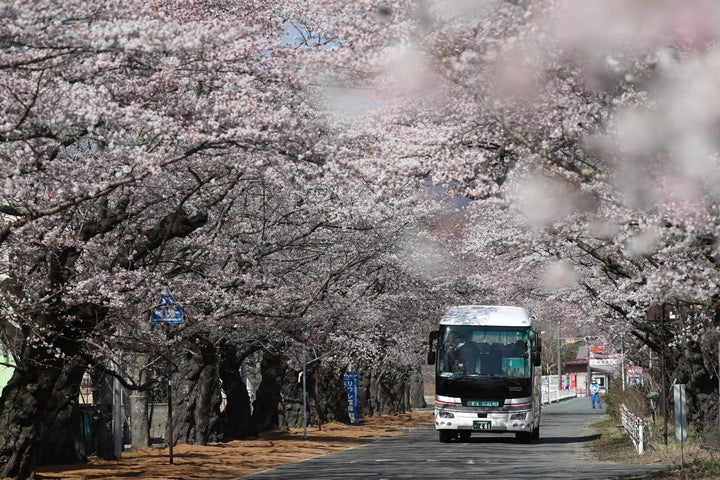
(350,380)
(167,310)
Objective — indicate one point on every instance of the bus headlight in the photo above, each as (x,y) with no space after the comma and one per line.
(445,414)
(518,416)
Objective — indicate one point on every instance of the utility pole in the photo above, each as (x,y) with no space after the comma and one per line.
(170,433)
(657,313)
(622,362)
(589,372)
(304,388)
(663,374)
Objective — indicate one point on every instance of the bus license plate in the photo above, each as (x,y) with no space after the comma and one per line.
(482,425)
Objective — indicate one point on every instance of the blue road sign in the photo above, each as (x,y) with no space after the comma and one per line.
(350,380)
(167,310)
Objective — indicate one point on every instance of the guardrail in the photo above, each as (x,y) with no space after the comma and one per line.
(555,396)
(637,428)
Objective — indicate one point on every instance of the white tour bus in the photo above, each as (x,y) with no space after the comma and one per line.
(487,372)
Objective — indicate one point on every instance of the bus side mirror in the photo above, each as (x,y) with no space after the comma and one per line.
(431,357)
(536,358)
(431,351)
(537,354)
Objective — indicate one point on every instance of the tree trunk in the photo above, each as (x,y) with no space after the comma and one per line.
(331,398)
(701,386)
(103,415)
(236,416)
(326,401)
(139,415)
(196,396)
(139,418)
(63,442)
(416,390)
(267,402)
(279,398)
(39,415)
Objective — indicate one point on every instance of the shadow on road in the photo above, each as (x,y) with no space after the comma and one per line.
(586,438)
(541,440)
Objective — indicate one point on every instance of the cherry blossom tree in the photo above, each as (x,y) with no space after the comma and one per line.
(276,164)
(595,122)
(152,145)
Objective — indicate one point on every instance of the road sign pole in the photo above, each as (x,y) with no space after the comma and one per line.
(304,362)
(170,421)
(168,311)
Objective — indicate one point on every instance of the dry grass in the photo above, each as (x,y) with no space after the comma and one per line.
(239,457)
(689,460)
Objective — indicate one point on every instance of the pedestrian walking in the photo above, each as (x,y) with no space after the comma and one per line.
(595,394)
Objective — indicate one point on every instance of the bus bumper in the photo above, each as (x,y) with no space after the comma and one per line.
(483,420)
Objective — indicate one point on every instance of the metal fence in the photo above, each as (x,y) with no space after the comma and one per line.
(555,396)
(637,428)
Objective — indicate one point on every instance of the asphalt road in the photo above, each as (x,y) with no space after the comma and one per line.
(417,454)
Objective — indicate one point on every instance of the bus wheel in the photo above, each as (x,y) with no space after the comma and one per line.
(524,437)
(444,435)
(464,436)
(536,433)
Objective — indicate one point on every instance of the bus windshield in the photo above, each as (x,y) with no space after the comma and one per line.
(468,350)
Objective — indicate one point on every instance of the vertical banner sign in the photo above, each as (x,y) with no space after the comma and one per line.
(350,379)
(680,412)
